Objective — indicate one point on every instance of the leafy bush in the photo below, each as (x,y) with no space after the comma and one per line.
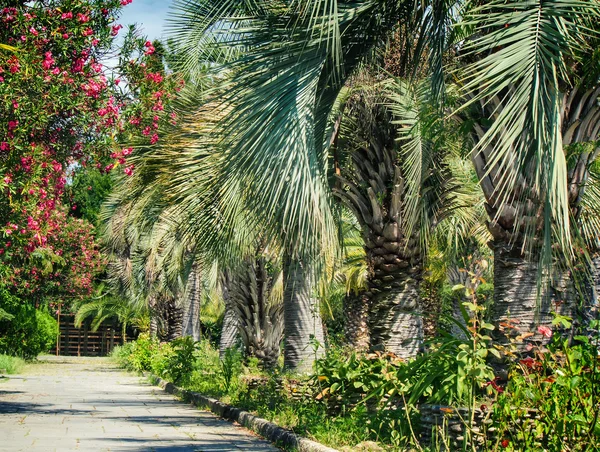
(141,353)
(160,360)
(29,331)
(11,364)
(231,366)
(551,400)
(181,362)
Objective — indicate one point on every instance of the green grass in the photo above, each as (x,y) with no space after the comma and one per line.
(10,364)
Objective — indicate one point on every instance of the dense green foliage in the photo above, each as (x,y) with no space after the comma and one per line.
(557,389)
(29,331)
(352,397)
(11,364)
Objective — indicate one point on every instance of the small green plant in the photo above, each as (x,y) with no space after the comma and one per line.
(231,366)
(182,361)
(10,364)
(140,353)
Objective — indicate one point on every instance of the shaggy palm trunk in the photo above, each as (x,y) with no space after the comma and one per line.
(229,330)
(259,318)
(191,311)
(517,277)
(395,319)
(373,186)
(593,306)
(524,297)
(174,319)
(302,320)
(356,322)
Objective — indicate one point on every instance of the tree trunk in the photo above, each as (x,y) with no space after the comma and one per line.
(593,306)
(523,301)
(153,325)
(302,320)
(229,330)
(395,319)
(174,319)
(259,319)
(191,312)
(356,326)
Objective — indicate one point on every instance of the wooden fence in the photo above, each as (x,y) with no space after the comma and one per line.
(82,341)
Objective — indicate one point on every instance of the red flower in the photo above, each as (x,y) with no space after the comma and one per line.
(115,29)
(505,443)
(545,331)
(529,362)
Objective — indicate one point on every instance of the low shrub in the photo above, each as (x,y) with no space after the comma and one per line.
(11,364)
(180,361)
(551,401)
(25,331)
(138,355)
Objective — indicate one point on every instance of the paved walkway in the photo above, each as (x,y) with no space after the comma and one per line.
(87,404)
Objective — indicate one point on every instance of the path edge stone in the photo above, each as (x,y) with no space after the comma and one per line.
(268,430)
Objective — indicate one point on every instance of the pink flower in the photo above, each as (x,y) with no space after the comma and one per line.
(88,32)
(33,31)
(83,18)
(127,151)
(545,331)
(4,146)
(68,15)
(115,29)
(154,138)
(12,125)
(65,35)
(117,81)
(125,2)
(128,170)
(95,42)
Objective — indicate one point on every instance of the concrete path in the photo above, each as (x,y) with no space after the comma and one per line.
(87,404)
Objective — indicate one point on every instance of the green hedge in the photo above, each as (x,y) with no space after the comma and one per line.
(27,331)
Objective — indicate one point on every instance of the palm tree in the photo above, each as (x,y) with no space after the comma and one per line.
(258,308)
(296,58)
(191,312)
(392,175)
(532,97)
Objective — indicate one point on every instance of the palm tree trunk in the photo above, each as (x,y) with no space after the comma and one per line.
(259,319)
(229,330)
(356,325)
(302,320)
(522,300)
(174,320)
(153,325)
(395,320)
(191,312)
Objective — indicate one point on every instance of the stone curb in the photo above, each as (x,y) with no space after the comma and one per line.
(266,429)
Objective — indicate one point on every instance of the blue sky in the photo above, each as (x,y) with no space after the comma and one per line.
(150,15)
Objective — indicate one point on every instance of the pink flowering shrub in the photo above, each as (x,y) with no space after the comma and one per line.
(62,109)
